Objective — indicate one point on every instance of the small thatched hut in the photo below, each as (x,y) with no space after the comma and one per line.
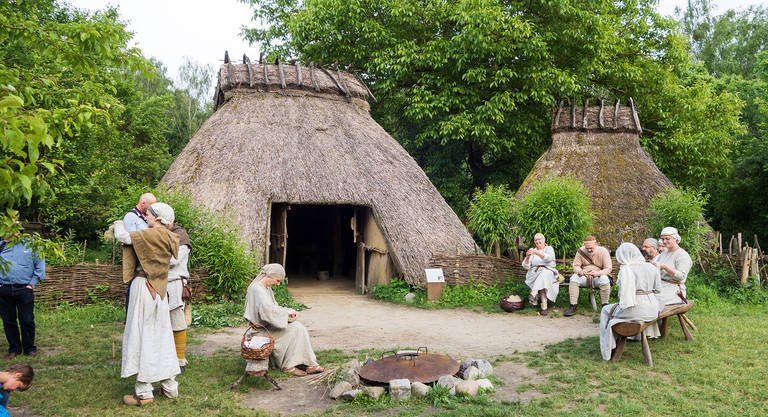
(600,146)
(292,153)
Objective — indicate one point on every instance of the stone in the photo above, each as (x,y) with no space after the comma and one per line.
(448,381)
(467,387)
(470,373)
(374,392)
(419,390)
(340,388)
(483,366)
(351,376)
(484,384)
(354,364)
(410,297)
(400,389)
(351,394)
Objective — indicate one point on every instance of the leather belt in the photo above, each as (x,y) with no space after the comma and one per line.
(14,285)
(640,292)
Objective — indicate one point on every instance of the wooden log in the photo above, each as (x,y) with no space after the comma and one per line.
(600,119)
(333,79)
(556,121)
(616,114)
(312,76)
(720,242)
(745,262)
(250,71)
(690,323)
(281,73)
(635,118)
(584,114)
(573,113)
(688,336)
(298,73)
(229,73)
(754,269)
(621,342)
(342,83)
(663,328)
(368,90)
(226,57)
(646,349)
(266,77)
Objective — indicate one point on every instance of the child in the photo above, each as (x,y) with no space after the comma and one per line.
(17,377)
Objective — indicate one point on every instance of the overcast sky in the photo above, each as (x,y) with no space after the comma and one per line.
(202,30)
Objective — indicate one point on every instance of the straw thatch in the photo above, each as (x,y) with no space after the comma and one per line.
(309,139)
(600,146)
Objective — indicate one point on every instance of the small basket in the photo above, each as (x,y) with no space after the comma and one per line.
(511,303)
(261,353)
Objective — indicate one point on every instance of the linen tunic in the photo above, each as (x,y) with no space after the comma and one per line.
(681,262)
(541,273)
(292,346)
(646,307)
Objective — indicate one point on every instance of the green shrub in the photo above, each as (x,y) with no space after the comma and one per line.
(490,217)
(480,295)
(683,210)
(559,208)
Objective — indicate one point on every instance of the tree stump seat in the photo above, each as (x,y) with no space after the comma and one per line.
(632,328)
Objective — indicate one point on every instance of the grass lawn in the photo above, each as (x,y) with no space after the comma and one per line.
(722,373)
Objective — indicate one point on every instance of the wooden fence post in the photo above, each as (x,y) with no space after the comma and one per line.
(745,263)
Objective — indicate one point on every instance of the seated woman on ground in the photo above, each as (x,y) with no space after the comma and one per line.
(293,353)
(541,275)
(638,284)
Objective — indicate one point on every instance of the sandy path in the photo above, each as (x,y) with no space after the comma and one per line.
(340,319)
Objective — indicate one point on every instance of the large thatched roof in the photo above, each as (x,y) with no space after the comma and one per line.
(600,146)
(301,135)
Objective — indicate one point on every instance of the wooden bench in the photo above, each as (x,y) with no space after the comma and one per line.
(632,328)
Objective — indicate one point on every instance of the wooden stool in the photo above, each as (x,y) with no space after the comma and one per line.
(256,368)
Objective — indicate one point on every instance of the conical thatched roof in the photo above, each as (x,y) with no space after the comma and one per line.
(599,145)
(301,135)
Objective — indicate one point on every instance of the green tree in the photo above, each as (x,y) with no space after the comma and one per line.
(192,102)
(469,84)
(51,88)
(490,218)
(683,210)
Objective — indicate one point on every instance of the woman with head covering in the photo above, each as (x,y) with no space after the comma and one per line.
(638,281)
(674,264)
(148,347)
(293,350)
(541,275)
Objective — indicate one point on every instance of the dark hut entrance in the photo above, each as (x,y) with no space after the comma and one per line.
(343,241)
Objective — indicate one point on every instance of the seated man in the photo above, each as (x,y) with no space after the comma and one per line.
(591,267)
(651,249)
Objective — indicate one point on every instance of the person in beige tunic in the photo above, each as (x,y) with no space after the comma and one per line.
(674,264)
(293,352)
(591,267)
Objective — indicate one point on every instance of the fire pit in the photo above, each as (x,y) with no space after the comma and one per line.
(415,365)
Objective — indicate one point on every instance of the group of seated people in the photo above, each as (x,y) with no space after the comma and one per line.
(647,281)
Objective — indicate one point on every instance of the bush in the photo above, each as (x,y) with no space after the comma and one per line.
(683,210)
(559,208)
(490,217)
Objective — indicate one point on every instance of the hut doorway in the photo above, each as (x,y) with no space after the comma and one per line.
(343,241)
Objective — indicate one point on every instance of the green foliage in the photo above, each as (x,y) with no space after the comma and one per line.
(222,314)
(682,209)
(486,297)
(720,284)
(284,298)
(467,86)
(490,217)
(559,208)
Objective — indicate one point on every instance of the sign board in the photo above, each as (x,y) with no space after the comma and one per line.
(435,283)
(435,275)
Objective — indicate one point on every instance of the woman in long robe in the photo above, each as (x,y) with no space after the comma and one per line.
(674,264)
(293,351)
(541,275)
(638,284)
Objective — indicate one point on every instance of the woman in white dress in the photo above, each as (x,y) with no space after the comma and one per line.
(541,275)
(638,283)
(674,264)
(293,352)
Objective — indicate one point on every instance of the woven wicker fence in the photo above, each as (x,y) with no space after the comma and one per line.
(466,269)
(87,283)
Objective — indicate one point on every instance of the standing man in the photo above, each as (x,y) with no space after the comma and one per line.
(591,267)
(25,268)
(136,219)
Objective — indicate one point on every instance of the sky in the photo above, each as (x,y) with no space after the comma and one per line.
(201,30)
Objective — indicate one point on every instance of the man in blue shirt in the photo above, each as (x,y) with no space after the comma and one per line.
(25,268)
(136,219)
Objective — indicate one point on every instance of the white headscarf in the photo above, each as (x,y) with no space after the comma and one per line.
(275,271)
(163,212)
(628,255)
(671,231)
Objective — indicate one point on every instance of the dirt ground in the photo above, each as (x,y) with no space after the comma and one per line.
(339,318)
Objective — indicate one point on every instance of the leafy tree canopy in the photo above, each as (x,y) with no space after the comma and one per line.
(468,85)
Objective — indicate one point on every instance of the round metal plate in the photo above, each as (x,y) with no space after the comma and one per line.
(425,368)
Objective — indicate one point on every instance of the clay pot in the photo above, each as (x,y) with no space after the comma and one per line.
(511,303)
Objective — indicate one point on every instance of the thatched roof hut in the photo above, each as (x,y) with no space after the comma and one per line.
(294,155)
(600,146)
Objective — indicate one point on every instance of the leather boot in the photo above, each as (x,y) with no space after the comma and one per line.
(134,400)
(571,310)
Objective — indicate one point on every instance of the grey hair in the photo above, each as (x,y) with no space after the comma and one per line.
(653,242)
(147,197)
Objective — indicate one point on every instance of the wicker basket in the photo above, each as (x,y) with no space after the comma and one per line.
(511,303)
(260,353)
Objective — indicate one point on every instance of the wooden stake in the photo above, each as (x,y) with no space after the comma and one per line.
(745,262)
(82,259)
